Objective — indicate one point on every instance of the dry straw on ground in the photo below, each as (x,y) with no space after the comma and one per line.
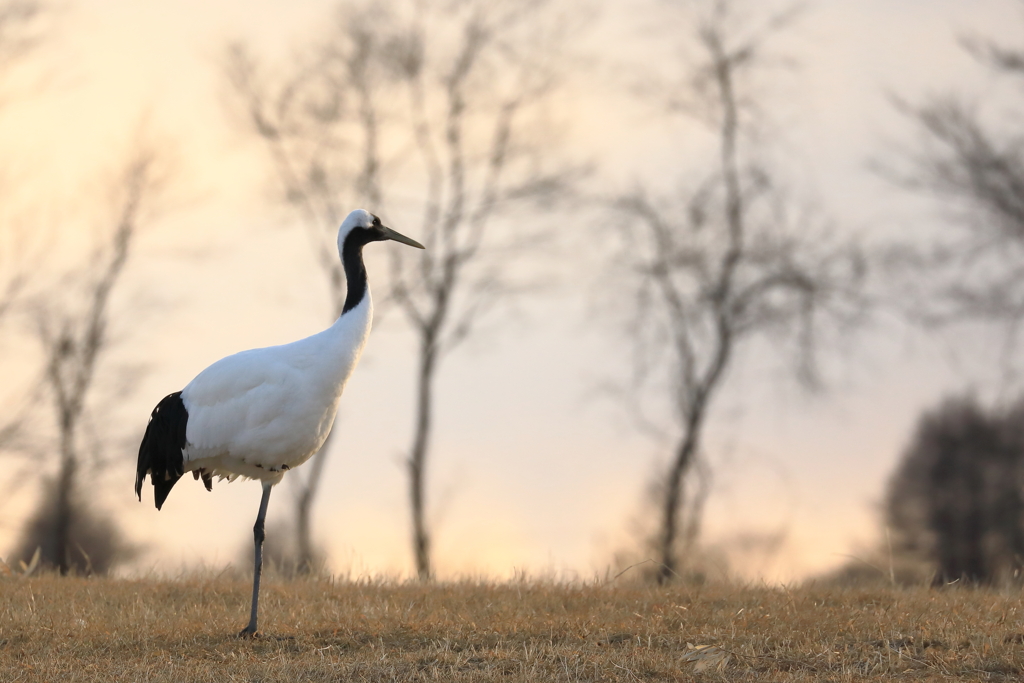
(88,629)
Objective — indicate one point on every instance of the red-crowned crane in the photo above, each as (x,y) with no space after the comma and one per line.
(262,412)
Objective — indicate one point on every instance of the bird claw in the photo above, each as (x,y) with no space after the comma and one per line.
(248,633)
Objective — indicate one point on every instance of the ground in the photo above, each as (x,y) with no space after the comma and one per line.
(183,630)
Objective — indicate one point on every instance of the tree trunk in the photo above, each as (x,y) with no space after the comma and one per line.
(975,569)
(673,500)
(306,559)
(696,411)
(65,489)
(418,455)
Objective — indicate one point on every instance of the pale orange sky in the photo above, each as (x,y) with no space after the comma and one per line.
(531,472)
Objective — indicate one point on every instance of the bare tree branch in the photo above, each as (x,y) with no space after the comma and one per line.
(719,266)
(21,29)
(974,168)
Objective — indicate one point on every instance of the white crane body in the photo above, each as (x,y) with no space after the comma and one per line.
(259,413)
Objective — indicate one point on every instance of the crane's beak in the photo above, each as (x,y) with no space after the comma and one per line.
(390,234)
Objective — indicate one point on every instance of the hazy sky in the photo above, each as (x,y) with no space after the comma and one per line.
(531,470)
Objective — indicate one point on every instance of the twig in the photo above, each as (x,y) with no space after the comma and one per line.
(647,561)
(626,670)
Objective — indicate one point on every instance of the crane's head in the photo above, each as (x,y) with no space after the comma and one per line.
(362,227)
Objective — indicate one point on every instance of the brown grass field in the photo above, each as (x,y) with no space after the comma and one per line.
(89,629)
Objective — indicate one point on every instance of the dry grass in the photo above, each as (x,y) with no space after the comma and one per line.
(81,629)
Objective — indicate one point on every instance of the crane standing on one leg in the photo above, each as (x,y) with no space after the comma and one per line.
(262,412)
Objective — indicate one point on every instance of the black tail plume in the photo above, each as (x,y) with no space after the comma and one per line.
(160,452)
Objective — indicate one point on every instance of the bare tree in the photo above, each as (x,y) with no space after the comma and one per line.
(969,156)
(436,100)
(728,260)
(73,342)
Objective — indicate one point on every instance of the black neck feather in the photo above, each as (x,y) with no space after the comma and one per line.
(355,271)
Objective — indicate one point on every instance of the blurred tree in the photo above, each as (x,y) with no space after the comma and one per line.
(956,502)
(969,156)
(72,321)
(94,543)
(725,261)
(22,29)
(428,111)
(24,26)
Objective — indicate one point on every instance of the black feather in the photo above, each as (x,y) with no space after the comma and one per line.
(352,260)
(160,452)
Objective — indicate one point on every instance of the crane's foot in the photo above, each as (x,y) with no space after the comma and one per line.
(248,632)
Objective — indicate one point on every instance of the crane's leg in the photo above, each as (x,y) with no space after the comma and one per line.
(257,535)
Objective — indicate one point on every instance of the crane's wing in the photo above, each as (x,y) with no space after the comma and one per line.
(266,407)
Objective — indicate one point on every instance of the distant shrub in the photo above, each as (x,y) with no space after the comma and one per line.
(97,544)
(956,502)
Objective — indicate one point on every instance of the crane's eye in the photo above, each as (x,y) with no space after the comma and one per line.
(376,222)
